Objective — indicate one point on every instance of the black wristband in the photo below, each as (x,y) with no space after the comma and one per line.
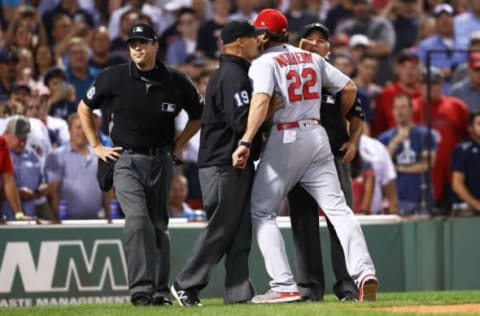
(245,143)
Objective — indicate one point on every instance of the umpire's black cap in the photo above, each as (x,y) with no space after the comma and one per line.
(309,28)
(235,29)
(142,31)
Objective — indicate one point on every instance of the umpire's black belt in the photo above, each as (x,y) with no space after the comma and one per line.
(149,151)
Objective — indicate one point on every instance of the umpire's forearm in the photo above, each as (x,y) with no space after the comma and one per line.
(347,97)
(256,116)
(190,129)
(355,130)
(85,115)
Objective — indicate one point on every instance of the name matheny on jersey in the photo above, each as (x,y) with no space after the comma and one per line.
(293,58)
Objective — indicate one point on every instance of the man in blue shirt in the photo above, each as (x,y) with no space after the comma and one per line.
(464,25)
(469,88)
(466,167)
(78,72)
(442,39)
(409,145)
(70,173)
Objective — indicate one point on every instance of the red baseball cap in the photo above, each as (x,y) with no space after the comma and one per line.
(340,39)
(474,60)
(273,20)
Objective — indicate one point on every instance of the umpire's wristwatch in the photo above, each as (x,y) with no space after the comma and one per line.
(245,143)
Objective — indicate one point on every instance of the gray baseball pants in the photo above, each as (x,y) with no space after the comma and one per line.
(142,186)
(306,160)
(226,198)
(306,238)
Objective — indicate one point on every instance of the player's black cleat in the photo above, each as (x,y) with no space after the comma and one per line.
(141,299)
(184,297)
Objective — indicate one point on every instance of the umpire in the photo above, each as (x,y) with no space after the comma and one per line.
(145,96)
(225,189)
(303,208)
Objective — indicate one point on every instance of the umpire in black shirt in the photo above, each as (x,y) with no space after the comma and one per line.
(145,96)
(304,209)
(225,189)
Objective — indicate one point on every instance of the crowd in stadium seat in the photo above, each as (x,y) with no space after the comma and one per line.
(51,52)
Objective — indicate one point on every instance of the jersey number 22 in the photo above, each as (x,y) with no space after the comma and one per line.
(309,79)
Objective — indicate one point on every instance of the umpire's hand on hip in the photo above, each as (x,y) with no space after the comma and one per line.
(240,157)
(107,153)
(350,150)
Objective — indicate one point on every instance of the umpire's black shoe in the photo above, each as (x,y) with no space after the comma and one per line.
(184,297)
(141,299)
(160,300)
(349,298)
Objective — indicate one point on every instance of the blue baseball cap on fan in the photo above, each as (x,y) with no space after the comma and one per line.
(7,55)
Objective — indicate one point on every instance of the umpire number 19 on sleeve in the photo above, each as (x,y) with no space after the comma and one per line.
(242,98)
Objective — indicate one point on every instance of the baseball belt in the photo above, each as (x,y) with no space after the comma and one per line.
(298,124)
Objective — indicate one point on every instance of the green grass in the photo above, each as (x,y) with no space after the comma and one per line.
(214,307)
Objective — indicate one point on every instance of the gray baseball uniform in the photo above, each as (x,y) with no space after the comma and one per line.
(297,151)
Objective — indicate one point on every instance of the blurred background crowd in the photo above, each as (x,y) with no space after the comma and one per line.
(52,50)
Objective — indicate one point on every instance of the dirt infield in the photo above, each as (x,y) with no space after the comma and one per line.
(435,309)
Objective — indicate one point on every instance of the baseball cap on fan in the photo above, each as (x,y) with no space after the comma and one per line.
(236,29)
(273,20)
(174,5)
(474,38)
(19,125)
(142,31)
(358,40)
(406,55)
(443,8)
(8,55)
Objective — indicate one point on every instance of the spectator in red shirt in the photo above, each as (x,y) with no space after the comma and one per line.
(407,72)
(9,189)
(450,120)
(363,184)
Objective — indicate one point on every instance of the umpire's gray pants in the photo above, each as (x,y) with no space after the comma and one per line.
(142,185)
(343,171)
(226,198)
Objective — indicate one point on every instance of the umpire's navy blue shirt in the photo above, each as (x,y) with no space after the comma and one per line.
(227,101)
(466,160)
(144,104)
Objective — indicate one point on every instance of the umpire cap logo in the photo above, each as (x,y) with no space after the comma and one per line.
(168,107)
